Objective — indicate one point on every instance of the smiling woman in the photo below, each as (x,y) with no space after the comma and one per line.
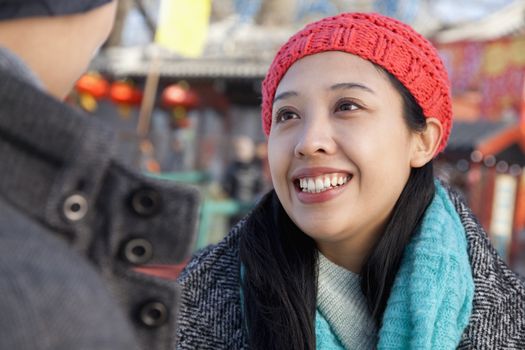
(357,246)
(347,132)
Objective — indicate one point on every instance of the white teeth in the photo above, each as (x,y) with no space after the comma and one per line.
(322,183)
(311,185)
(319,186)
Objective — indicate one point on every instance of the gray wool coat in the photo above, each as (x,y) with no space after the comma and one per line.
(74,223)
(210,314)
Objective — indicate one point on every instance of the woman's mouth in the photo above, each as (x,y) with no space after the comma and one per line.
(321,183)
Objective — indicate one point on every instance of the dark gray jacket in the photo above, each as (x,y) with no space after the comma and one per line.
(73,224)
(210,315)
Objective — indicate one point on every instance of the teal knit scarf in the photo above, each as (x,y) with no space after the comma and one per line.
(431,299)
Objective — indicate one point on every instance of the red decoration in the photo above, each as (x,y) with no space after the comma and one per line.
(177,96)
(125,93)
(92,84)
(495,69)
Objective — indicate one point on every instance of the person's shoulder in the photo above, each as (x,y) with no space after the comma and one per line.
(499,293)
(210,312)
(214,260)
(483,255)
(52,294)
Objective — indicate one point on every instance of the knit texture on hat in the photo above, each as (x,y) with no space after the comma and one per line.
(385,41)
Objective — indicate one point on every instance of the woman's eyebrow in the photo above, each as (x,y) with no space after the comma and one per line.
(351,86)
(284,95)
(340,86)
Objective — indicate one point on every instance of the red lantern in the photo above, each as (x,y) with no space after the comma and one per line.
(92,84)
(125,93)
(90,88)
(177,95)
(179,98)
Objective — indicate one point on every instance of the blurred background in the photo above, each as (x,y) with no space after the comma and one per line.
(179,81)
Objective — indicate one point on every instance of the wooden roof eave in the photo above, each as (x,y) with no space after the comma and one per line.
(499,142)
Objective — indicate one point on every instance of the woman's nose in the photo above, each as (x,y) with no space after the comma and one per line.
(315,138)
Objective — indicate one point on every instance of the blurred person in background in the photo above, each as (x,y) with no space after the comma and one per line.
(243,177)
(358,246)
(74,222)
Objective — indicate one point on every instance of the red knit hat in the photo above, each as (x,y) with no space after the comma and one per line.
(385,41)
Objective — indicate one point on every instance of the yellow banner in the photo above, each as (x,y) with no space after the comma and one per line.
(183,26)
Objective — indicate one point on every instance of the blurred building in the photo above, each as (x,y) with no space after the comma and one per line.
(486,63)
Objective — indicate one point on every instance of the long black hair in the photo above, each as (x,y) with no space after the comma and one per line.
(280,262)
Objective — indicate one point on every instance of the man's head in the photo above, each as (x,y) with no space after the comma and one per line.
(56,38)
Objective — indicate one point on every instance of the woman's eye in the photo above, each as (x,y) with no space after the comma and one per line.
(285,115)
(348,106)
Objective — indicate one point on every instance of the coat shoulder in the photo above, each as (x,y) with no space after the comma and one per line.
(498,314)
(210,310)
(52,298)
(216,260)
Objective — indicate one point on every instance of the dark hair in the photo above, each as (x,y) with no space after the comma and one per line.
(280,279)
(280,261)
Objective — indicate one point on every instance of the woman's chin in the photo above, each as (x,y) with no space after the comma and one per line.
(322,234)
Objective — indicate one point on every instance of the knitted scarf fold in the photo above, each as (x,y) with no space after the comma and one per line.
(431,299)
(343,305)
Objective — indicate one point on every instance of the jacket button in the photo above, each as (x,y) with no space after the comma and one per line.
(138,251)
(153,314)
(75,207)
(145,202)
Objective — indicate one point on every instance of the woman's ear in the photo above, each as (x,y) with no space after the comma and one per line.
(426,143)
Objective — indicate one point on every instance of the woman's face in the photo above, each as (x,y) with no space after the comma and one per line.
(339,148)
